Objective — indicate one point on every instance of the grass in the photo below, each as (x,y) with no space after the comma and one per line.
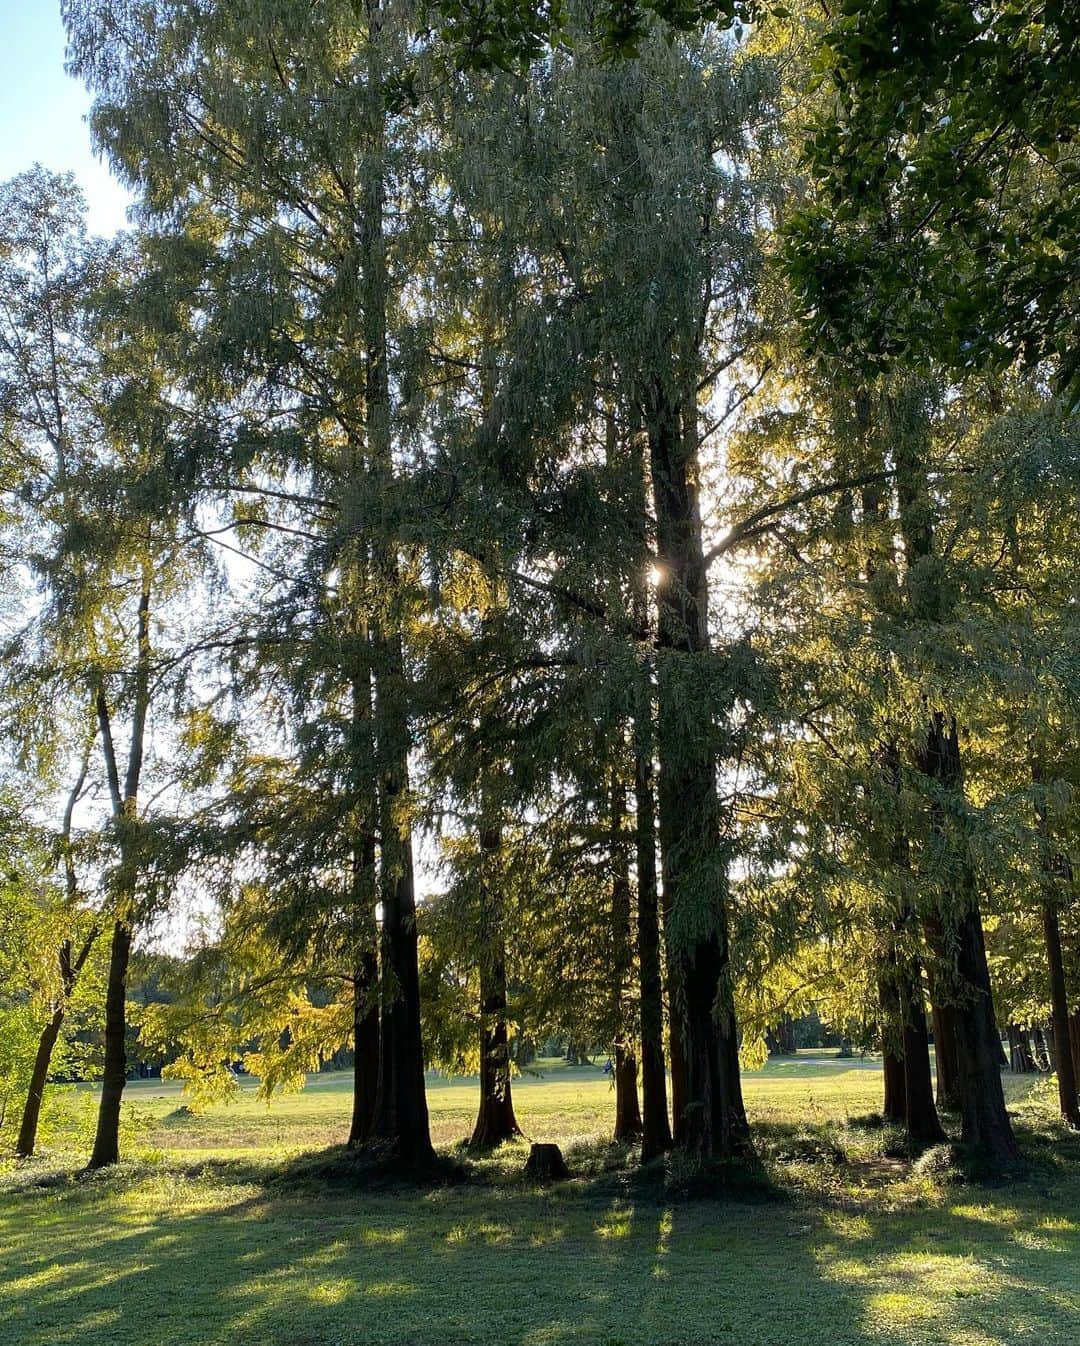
(198,1241)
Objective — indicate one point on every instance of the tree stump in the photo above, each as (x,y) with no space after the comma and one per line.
(546,1164)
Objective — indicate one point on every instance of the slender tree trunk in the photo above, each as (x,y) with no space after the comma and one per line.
(713,1121)
(655,1130)
(39,1076)
(125,813)
(1063,1060)
(364,888)
(401,1115)
(495,1121)
(107,1138)
(1055,962)
(627,1111)
(920,1114)
(1041,1052)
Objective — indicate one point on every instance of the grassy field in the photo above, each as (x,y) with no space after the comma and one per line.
(216,1234)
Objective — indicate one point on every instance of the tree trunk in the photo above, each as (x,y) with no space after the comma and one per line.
(627,1112)
(892,1108)
(1063,1062)
(1074,1042)
(986,1128)
(1040,1051)
(693,855)
(946,1066)
(125,813)
(785,1038)
(1059,996)
(920,1114)
(24,1146)
(495,1121)
(107,1138)
(401,1115)
(1021,1061)
(655,1130)
(365,1047)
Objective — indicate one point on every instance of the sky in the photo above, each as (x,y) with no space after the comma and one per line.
(43,111)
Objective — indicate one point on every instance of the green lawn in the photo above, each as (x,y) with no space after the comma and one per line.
(204,1238)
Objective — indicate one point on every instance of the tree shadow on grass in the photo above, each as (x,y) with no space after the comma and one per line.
(215,1256)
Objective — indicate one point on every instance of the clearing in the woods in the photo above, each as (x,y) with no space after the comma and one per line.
(218,1233)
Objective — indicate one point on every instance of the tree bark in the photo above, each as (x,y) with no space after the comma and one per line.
(893,1106)
(495,1121)
(985,1125)
(920,1114)
(365,1047)
(655,1129)
(1021,1061)
(627,1111)
(125,814)
(1055,962)
(892,1109)
(401,1115)
(24,1146)
(693,856)
(946,1067)
(1063,1060)
(107,1138)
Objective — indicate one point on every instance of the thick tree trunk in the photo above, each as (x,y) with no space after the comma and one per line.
(920,1114)
(694,859)
(107,1138)
(946,1067)
(893,1105)
(985,1125)
(495,1121)
(627,1112)
(39,1076)
(401,1114)
(892,1109)
(365,1047)
(655,1130)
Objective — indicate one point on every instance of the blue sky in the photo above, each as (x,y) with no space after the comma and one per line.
(43,111)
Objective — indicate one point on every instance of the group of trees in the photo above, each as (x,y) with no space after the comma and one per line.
(574,480)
